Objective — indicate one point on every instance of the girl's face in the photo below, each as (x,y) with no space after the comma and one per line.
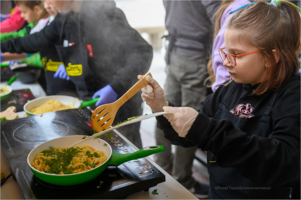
(30,15)
(249,69)
(50,8)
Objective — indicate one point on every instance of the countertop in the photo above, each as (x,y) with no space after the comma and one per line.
(170,189)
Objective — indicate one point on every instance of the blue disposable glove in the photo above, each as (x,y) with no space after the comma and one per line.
(61,73)
(11,63)
(3,17)
(2,58)
(106,95)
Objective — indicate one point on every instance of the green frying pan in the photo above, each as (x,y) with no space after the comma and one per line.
(82,177)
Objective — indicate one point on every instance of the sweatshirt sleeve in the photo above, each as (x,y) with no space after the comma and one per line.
(34,42)
(6,36)
(275,158)
(13,22)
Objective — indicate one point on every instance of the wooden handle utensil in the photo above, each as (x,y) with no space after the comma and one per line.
(104,115)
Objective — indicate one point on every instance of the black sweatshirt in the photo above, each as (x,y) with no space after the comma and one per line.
(275,158)
(120,53)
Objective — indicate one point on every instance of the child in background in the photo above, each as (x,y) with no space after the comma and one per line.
(250,127)
(37,17)
(218,73)
(12,22)
(51,62)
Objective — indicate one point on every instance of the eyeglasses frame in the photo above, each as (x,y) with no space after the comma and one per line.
(234,56)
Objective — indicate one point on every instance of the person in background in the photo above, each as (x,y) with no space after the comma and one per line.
(36,16)
(101,53)
(250,126)
(189,25)
(218,73)
(12,22)
(51,62)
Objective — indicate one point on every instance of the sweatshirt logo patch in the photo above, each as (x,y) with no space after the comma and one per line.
(243,111)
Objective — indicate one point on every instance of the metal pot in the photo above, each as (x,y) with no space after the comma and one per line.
(82,177)
(30,105)
(28,74)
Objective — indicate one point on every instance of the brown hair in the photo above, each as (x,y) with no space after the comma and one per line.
(268,28)
(32,4)
(217,27)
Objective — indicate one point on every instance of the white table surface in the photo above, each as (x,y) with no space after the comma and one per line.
(170,189)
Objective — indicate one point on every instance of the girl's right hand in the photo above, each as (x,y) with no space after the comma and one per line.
(153,95)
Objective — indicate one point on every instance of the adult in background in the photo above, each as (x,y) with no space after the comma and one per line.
(189,26)
(102,54)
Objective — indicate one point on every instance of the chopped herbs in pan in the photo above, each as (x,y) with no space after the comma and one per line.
(84,137)
(3,119)
(105,144)
(60,160)
(88,153)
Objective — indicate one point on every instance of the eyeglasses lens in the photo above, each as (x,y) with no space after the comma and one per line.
(222,55)
(231,59)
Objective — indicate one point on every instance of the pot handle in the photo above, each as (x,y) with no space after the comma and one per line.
(118,158)
(12,79)
(89,103)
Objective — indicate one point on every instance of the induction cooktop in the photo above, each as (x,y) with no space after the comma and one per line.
(20,136)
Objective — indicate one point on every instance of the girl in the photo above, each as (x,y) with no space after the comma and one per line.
(218,73)
(251,126)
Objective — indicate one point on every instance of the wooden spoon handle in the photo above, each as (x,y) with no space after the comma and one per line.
(133,90)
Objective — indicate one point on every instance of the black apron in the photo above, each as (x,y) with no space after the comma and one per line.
(50,60)
(74,54)
(228,183)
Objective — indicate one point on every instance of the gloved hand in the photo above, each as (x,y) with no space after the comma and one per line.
(3,17)
(182,119)
(153,95)
(106,95)
(61,73)
(11,63)
(1,57)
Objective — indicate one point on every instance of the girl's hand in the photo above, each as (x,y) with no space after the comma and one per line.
(153,95)
(182,119)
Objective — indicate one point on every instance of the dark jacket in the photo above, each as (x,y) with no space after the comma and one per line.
(269,159)
(119,52)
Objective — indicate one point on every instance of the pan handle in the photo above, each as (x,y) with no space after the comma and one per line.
(89,103)
(12,79)
(118,159)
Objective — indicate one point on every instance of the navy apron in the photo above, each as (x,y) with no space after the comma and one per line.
(228,183)
(74,54)
(50,60)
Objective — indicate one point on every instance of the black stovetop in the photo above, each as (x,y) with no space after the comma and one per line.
(20,136)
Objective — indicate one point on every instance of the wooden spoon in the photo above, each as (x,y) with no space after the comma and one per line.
(104,115)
